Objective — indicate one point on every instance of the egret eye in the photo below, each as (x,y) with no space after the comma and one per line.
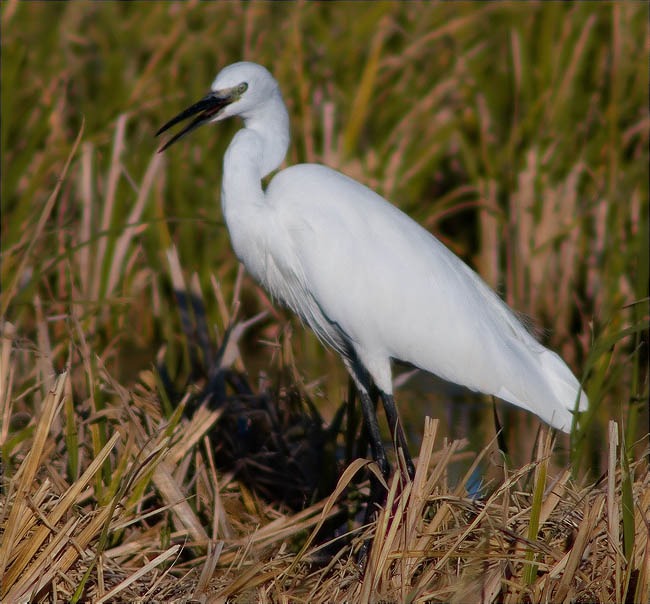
(242,88)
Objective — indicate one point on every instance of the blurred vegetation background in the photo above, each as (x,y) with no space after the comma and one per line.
(515,132)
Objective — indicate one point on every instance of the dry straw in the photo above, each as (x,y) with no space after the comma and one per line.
(171,527)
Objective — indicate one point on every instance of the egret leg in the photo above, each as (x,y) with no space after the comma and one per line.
(363,440)
(372,427)
(362,382)
(397,432)
(377,492)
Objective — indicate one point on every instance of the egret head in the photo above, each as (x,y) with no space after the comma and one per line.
(237,90)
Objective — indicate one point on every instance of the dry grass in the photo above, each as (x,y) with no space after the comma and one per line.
(118,502)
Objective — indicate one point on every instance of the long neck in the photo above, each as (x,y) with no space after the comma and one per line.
(270,122)
(255,151)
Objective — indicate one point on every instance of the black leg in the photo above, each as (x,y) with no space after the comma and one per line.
(395,425)
(372,428)
(362,382)
(363,440)
(351,441)
(377,492)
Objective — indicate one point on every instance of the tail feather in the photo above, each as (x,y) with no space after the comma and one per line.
(553,394)
(562,381)
(547,387)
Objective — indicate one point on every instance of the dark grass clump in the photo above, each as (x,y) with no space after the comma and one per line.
(275,440)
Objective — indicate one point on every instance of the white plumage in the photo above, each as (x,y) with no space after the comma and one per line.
(372,283)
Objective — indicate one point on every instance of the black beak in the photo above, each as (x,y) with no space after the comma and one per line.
(209,106)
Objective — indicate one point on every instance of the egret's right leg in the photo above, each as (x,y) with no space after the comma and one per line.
(372,427)
(397,432)
(377,491)
(362,382)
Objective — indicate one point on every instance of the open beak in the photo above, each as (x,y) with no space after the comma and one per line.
(207,108)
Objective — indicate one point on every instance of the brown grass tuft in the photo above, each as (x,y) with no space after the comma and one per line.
(150,517)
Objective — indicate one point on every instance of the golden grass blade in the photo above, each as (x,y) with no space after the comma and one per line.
(175,270)
(483,589)
(554,497)
(123,243)
(211,561)
(34,577)
(193,432)
(419,492)
(453,549)
(613,512)
(231,354)
(115,170)
(71,433)
(426,453)
(627,501)
(343,482)
(221,301)
(6,378)
(385,539)
(568,566)
(372,572)
(30,238)
(248,580)
(172,551)
(25,551)
(220,524)
(87,203)
(45,358)
(287,526)
(173,495)
(19,514)
(236,293)
(642,591)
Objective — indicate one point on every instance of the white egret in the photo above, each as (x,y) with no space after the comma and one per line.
(371,282)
